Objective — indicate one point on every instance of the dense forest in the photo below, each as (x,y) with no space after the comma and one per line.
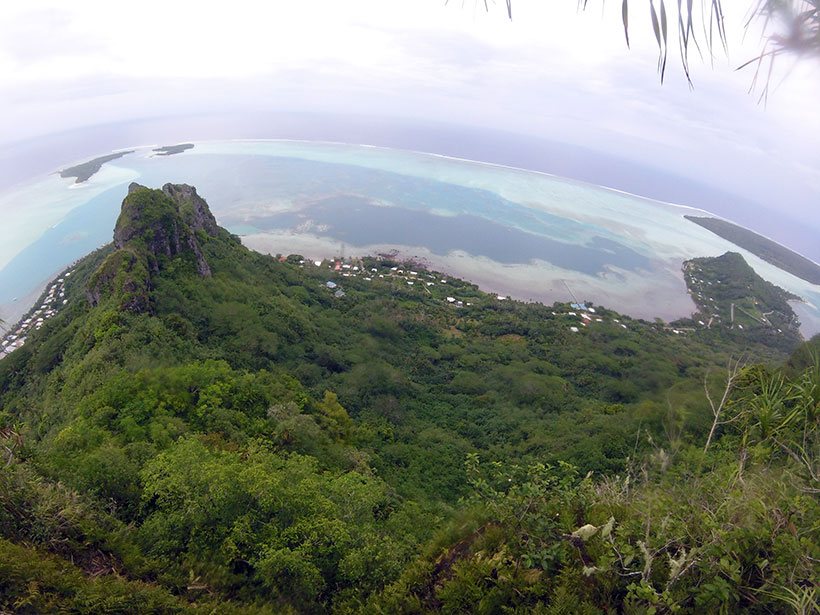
(205,428)
(733,299)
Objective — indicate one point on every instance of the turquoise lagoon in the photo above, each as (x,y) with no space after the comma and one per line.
(527,235)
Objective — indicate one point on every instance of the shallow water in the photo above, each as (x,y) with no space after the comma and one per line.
(525,234)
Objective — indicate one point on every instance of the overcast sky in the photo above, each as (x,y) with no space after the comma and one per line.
(550,72)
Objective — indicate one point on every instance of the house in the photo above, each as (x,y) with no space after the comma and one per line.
(339,294)
(330,285)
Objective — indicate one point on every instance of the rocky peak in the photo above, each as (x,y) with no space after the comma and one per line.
(193,208)
(153,227)
(163,224)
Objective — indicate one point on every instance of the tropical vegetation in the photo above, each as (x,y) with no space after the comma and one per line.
(210,429)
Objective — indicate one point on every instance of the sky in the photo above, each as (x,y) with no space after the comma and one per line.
(549,73)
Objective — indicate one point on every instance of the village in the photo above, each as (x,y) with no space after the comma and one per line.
(50,302)
(416,276)
(732,301)
(411,277)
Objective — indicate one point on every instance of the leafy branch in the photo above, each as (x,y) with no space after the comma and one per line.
(788,26)
(733,370)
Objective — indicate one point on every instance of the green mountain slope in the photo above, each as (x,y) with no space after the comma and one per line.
(202,425)
(736,301)
(770,251)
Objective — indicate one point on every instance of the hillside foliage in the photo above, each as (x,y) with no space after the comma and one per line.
(247,441)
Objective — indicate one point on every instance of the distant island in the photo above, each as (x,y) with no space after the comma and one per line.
(170,150)
(83,172)
(760,246)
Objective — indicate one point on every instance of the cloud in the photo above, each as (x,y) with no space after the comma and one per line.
(550,73)
(43,35)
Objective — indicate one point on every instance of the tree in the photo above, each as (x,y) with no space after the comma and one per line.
(733,370)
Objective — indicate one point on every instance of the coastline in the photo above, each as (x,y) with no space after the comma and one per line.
(14,313)
(516,280)
(560,178)
(629,293)
(567,180)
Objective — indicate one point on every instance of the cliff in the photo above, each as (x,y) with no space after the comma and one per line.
(154,228)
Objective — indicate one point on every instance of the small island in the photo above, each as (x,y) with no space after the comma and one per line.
(170,150)
(733,300)
(770,251)
(84,171)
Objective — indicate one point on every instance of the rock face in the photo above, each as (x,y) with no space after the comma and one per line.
(123,273)
(165,223)
(193,208)
(154,227)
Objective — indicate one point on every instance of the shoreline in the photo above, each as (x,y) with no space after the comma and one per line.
(560,178)
(39,302)
(664,297)
(568,180)
(668,302)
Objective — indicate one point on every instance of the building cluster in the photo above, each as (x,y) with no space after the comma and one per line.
(52,300)
(586,316)
(355,268)
(697,288)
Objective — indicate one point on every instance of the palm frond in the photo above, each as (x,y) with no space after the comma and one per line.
(787,26)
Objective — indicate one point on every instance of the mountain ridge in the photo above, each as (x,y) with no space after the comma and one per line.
(252,441)
(153,227)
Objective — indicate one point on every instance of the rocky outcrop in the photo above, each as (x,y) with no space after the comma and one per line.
(123,274)
(154,227)
(193,208)
(164,223)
